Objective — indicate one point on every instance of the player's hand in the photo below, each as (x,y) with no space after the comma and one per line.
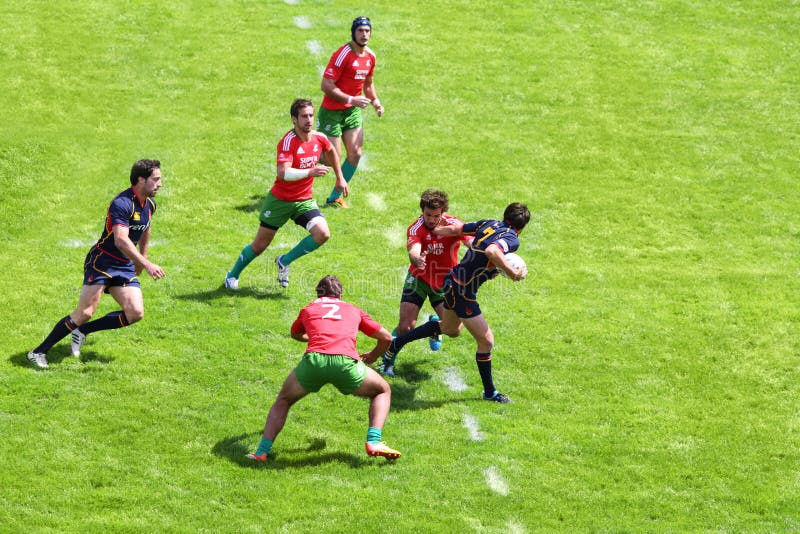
(360,101)
(342,187)
(369,357)
(379,110)
(155,271)
(419,262)
(518,274)
(319,170)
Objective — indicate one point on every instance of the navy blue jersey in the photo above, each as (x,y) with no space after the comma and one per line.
(475,268)
(128,211)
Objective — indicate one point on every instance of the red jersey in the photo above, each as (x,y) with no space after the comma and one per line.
(300,155)
(332,324)
(348,71)
(441,253)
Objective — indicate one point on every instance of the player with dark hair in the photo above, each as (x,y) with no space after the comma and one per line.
(329,325)
(431,258)
(299,152)
(483,261)
(348,73)
(113,263)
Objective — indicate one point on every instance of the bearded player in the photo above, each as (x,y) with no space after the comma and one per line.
(431,258)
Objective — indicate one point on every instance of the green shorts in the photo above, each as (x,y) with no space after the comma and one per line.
(333,123)
(316,369)
(274,213)
(416,291)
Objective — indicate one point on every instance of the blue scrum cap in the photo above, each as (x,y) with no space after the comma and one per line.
(358,22)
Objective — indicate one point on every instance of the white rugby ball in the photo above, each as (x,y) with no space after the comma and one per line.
(516,262)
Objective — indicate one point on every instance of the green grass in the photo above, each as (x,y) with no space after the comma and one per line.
(653,351)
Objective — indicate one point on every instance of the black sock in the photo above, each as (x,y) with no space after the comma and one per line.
(110,321)
(59,332)
(484,361)
(431,328)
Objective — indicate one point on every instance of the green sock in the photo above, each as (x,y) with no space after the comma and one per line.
(242,261)
(348,170)
(306,245)
(374,435)
(264,446)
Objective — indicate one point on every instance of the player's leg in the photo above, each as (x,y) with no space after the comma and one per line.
(411,301)
(312,220)
(263,238)
(479,328)
(87,304)
(450,323)
(290,393)
(380,394)
(353,139)
(274,214)
(129,297)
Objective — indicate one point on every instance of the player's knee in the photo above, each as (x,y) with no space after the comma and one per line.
(404,328)
(81,316)
(258,247)
(134,314)
(452,332)
(321,237)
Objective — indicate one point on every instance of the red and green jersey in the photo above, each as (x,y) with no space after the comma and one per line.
(331,326)
(441,253)
(348,72)
(300,155)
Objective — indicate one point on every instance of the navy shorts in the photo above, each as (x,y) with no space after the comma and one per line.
(101,268)
(460,299)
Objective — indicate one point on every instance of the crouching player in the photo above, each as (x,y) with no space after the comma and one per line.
(330,325)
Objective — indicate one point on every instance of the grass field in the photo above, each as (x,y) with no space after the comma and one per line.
(653,353)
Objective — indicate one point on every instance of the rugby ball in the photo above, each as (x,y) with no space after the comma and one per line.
(516,262)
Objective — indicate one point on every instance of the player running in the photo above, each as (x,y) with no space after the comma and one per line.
(349,72)
(485,258)
(113,264)
(299,152)
(431,258)
(330,326)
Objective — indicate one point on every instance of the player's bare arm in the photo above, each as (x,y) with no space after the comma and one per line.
(301,336)
(126,246)
(341,184)
(498,258)
(416,256)
(454,229)
(384,340)
(372,95)
(286,173)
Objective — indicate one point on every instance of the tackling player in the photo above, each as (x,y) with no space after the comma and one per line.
(113,263)
(431,258)
(330,326)
(349,72)
(299,152)
(486,256)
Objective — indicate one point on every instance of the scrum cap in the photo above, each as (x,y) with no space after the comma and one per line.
(358,22)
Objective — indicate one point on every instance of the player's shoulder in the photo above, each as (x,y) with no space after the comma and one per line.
(340,53)
(285,143)
(317,134)
(124,198)
(370,52)
(417,226)
(152,203)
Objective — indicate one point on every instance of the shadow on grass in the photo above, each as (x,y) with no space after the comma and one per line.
(253,206)
(234,449)
(222,292)
(403,398)
(55,357)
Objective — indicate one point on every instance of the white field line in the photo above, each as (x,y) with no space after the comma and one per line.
(302,22)
(471,424)
(376,201)
(314,47)
(495,480)
(452,379)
